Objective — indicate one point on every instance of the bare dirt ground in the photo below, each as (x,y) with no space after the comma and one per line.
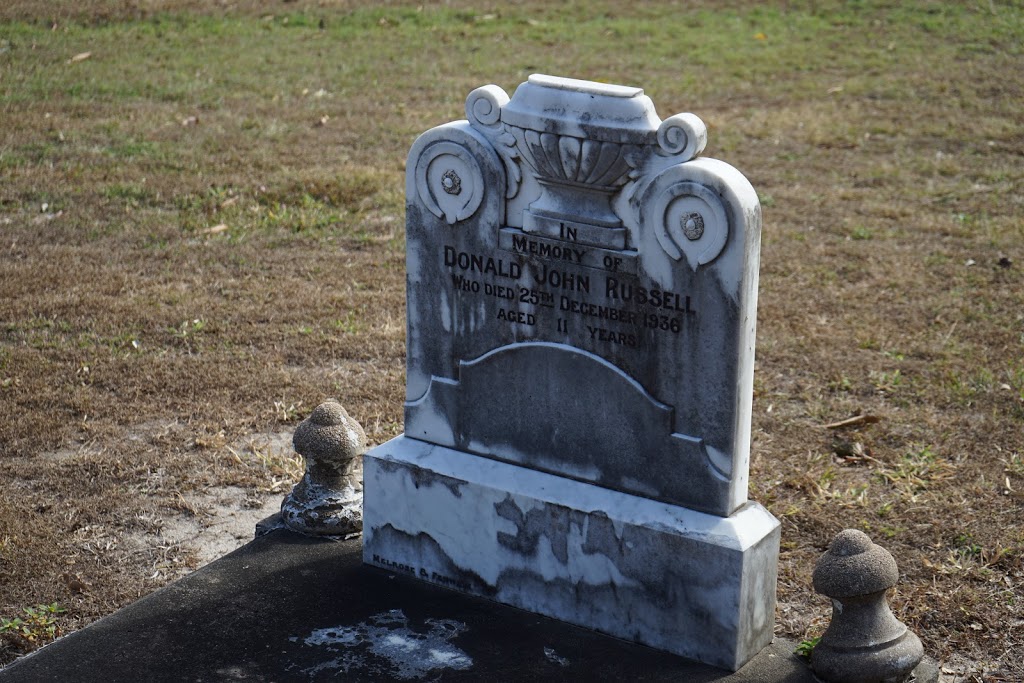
(201,238)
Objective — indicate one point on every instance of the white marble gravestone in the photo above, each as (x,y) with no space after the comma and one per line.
(582,292)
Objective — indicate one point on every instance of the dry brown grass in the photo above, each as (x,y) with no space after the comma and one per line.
(139,340)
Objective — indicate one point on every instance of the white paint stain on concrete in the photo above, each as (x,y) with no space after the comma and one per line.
(552,656)
(386,645)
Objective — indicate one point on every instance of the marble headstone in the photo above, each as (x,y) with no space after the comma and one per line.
(582,291)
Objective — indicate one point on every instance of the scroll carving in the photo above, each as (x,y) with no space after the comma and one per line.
(683,135)
(483,109)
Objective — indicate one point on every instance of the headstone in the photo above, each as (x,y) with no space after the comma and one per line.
(581,306)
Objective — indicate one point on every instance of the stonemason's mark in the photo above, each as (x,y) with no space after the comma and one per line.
(422,573)
(450,582)
(391,564)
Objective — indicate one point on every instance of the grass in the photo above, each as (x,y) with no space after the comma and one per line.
(35,626)
(805,647)
(201,239)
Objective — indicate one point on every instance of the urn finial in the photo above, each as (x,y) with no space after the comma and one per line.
(865,642)
(328,499)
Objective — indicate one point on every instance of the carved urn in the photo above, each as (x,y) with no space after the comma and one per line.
(584,141)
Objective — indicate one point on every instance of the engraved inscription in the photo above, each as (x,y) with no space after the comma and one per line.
(514,316)
(612,336)
(567,251)
(647,297)
(478,263)
(561,279)
(586,307)
(598,311)
(557,252)
(535,297)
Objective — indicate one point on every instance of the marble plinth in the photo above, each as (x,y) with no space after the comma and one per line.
(694,584)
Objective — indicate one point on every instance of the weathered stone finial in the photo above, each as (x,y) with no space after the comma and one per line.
(865,642)
(328,500)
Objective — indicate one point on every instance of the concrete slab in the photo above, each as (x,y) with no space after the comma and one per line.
(287,607)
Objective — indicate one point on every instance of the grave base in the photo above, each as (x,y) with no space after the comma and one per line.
(263,612)
(668,577)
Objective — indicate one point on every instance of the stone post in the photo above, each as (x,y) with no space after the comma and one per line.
(865,642)
(328,500)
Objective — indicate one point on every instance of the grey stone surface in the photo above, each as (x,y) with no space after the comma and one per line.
(683,581)
(289,607)
(328,499)
(582,296)
(555,289)
(864,642)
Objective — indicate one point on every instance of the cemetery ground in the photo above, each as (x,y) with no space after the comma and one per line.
(201,238)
